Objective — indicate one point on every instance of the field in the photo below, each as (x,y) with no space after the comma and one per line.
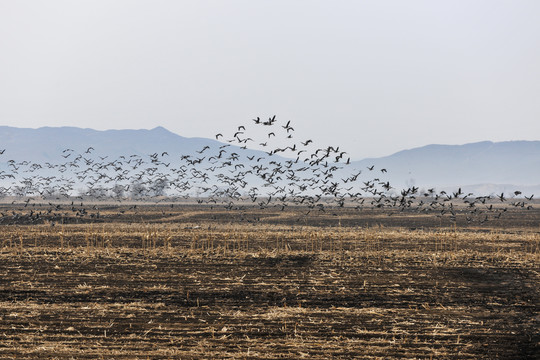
(190,282)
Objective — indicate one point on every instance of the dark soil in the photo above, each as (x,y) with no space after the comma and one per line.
(350,285)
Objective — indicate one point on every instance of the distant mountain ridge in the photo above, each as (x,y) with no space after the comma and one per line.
(483,166)
(46,143)
(475,164)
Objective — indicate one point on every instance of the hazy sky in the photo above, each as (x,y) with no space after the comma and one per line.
(374,77)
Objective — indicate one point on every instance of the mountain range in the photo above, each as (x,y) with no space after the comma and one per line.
(482,167)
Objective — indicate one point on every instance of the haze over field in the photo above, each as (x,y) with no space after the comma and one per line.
(374,77)
(483,168)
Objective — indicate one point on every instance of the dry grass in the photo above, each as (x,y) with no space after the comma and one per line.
(231,289)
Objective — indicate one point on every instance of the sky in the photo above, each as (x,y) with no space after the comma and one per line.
(374,77)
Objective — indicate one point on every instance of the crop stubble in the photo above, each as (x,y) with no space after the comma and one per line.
(217,286)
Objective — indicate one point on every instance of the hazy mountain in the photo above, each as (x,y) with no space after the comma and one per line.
(481,167)
(47,143)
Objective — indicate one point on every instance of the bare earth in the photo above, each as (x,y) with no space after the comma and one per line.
(193,282)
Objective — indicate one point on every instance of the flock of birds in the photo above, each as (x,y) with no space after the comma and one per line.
(229,174)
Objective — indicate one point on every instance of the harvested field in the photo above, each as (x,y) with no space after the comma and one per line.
(191,282)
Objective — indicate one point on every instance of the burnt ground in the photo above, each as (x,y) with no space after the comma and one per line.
(191,282)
